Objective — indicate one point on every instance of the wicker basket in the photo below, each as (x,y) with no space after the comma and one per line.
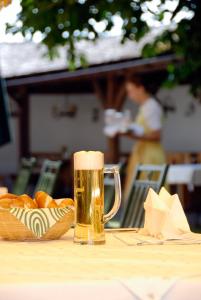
(35,224)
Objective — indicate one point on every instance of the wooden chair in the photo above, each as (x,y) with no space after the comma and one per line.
(22,180)
(48,176)
(146,176)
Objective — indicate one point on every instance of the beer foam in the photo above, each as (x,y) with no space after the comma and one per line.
(88,160)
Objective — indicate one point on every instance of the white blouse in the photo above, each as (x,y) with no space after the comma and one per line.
(153,114)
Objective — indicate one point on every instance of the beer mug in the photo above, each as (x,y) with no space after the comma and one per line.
(89,196)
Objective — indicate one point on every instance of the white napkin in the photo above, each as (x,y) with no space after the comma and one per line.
(164,216)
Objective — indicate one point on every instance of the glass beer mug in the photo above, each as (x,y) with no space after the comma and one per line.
(89,196)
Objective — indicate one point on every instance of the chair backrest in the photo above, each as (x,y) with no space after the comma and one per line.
(23,177)
(146,176)
(48,176)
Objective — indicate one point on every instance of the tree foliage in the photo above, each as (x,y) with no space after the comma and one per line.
(64,22)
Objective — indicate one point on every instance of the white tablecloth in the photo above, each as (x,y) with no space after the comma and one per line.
(115,271)
(106,290)
(184,174)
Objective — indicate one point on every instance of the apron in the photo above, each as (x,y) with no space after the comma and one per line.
(144,152)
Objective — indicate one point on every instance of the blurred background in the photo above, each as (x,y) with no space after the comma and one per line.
(63,63)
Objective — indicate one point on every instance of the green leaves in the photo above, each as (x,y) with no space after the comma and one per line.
(65,22)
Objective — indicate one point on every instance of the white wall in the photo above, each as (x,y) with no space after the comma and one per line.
(181,132)
(50,134)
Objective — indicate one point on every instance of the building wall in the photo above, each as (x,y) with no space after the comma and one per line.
(49,134)
(182,128)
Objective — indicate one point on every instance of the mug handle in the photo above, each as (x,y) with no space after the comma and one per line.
(114,169)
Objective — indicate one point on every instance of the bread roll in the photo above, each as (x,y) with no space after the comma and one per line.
(17,203)
(35,203)
(66,202)
(28,202)
(53,204)
(8,196)
(5,203)
(10,203)
(44,200)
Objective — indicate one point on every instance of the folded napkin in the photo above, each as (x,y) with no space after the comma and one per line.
(164,216)
(165,223)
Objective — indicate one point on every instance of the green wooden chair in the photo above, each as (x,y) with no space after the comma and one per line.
(146,176)
(22,180)
(48,176)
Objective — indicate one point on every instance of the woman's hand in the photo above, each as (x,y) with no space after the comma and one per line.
(153,136)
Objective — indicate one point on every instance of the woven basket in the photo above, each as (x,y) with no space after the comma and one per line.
(35,224)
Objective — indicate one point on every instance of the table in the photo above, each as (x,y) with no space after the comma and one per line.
(185,177)
(63,270)
(189,174)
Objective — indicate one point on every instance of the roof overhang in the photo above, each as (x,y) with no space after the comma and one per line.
(141,65)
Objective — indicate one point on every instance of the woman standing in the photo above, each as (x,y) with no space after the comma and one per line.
(147,148)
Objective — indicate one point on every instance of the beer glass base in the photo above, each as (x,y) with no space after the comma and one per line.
(81,242)
(85,235)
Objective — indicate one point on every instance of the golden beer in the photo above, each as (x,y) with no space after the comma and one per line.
(89,204)
(89,197)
